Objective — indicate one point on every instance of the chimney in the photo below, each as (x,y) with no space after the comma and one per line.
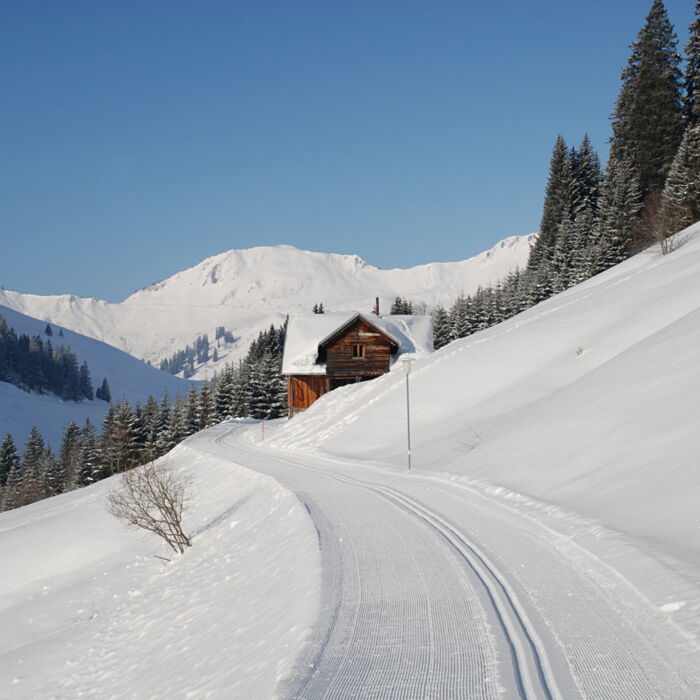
(375,311)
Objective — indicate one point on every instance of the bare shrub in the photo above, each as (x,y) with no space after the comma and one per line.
(153,497)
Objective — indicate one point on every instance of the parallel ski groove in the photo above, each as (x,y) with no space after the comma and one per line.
(522,641)
(533,679)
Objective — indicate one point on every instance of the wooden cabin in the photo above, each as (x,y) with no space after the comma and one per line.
(325,351)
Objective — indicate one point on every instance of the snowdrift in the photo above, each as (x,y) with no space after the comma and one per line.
(587,406)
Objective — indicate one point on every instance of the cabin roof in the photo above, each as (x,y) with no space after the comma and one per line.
(307,333)
(338,332)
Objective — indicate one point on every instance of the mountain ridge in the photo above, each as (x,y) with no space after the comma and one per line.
(248,290)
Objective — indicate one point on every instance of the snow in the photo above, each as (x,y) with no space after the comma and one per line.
(93,613)
(584,406)
(545,543)
(247,290)
(412,334)
(127,377)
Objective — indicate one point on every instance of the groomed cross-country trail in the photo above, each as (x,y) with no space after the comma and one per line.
(432,590)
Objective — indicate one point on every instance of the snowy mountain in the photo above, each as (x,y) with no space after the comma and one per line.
(127,377)
(247,290)
(543,545)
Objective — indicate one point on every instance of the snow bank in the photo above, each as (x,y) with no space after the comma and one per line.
(88,611)
(586,404)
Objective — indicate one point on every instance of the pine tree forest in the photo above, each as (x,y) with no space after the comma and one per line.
(33,364)
(131,435)
(592,220)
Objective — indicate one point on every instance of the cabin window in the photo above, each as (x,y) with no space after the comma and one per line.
(358,350)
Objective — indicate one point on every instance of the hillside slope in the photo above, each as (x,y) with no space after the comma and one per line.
(247,290)
(87,610)
(128,378)
(583,409)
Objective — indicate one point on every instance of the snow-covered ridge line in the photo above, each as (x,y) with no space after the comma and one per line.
(248,290)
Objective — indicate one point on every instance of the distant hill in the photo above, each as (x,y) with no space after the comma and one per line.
(127,377)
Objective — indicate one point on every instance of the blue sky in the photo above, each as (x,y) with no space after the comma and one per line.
(138,138)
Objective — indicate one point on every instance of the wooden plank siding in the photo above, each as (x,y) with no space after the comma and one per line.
(303,390)
(340,363)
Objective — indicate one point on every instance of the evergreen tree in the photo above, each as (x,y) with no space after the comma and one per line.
(692,71)
(241,381)
(10,496)
(33,454)
(104,392)
(139,434)
(177,431)
(70,375)
(648,120)
(55,476)
(85,383)
(9,459)
(587,176)
(206,409)
(164,441)
(118,446)
(90,469)
(35,467)
(619,205)
(70,457)
(224,395)
(442,328)
(401,307)
(680,203)
(266,392)
(150,416)
(48,330)
(555,199)
(460,320)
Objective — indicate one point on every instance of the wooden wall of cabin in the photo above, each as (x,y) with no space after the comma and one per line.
(341,363)
(302,391)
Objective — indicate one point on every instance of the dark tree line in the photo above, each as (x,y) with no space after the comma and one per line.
(197,354)
(131,435)
(32,364)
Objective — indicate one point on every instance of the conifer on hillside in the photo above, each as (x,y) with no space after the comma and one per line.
(680,203)
(648,119)
(9,458)
(553,209)
(692,71)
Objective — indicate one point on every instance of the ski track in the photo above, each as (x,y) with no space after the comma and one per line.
(413,607)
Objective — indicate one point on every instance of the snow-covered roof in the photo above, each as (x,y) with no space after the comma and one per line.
(305,332)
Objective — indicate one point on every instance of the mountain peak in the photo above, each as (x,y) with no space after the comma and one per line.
(248,289)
